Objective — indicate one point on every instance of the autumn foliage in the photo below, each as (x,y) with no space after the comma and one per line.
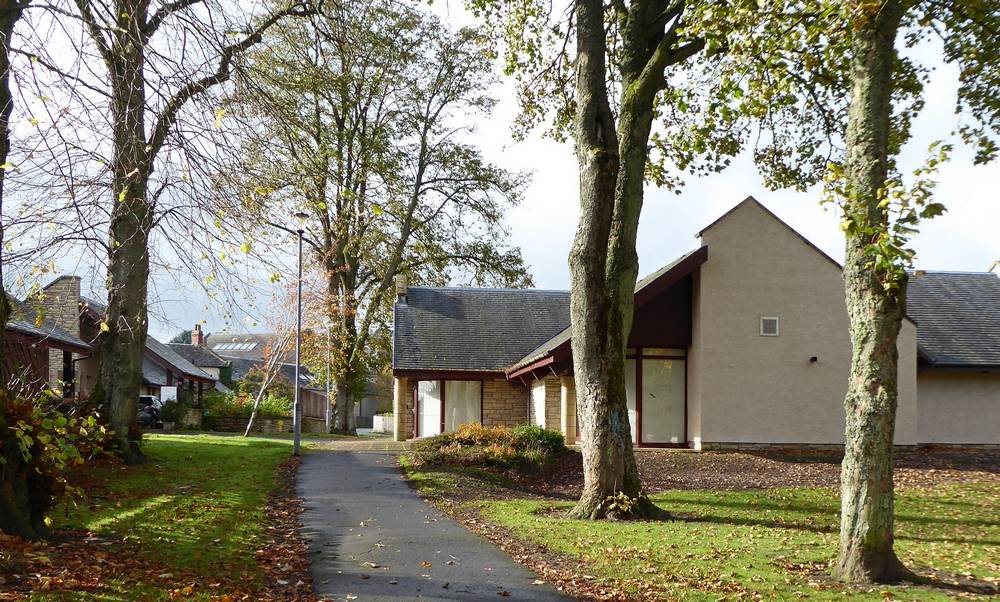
(39,441)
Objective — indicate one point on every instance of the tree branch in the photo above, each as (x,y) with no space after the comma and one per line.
(90,21)
(222,73)
(165,11)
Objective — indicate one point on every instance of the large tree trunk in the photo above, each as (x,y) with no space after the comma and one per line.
(876,313)
(604,265)
(10,12)
(23,501)
(122,346)
(603,270)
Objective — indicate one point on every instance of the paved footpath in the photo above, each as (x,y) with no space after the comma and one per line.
(371,537)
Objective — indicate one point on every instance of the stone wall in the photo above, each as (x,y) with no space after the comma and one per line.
(402,407)
(505,402)
(62,308)
(237,424)
(567,409)
(552,399)
(313,425)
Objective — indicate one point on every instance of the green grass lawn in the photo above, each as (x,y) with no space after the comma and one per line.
(194,510)
(771,544)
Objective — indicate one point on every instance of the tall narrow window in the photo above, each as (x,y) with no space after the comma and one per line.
(536,413)
(429,404)
(462,403)
(68,375)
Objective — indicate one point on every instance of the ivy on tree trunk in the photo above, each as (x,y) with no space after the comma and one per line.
(876,310)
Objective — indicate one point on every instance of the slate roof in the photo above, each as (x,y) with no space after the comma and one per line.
(198,355)
(178,362)
(957,316)
(153,373)
(248,346)
(165,352)
(23,320)
(241,366)
(473,329)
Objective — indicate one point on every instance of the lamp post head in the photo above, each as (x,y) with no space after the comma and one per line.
(301,217)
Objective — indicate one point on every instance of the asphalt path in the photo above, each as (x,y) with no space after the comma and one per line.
(371,537)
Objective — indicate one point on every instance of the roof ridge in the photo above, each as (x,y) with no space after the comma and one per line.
(490,288)
(921,271)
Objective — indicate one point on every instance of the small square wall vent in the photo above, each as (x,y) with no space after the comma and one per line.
(769,326)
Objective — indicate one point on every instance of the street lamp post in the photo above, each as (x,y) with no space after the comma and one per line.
(329,345)
(297,407)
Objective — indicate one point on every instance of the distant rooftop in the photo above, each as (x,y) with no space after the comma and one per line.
(958,317)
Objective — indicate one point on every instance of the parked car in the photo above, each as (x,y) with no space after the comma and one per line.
(149,412)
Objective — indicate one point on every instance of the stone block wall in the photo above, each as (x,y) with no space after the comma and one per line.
(313,425)
(236,424)
(567,409)
(553,396)
(62,308)
(402,407)
(505,402)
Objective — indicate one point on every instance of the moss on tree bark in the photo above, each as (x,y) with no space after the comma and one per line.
(876,311)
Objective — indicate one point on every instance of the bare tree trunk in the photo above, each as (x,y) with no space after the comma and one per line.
(123,344)
(876,313)
(271,371)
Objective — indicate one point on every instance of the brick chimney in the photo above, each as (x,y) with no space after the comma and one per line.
(61,301)
(197,336)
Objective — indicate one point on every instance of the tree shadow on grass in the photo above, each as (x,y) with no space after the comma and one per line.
(953,583)
(831,513)
(800,526)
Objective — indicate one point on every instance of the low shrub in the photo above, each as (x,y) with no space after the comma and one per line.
(530,434)
(218,404)
(524,447)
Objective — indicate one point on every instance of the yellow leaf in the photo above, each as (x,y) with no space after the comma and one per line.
(105,327)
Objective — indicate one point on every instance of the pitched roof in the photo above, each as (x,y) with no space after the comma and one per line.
(958,317)
(473,329)
(24,320)
(645,289)
(248,346)
(153,373)
(200,356)
(241,367)
(166,354)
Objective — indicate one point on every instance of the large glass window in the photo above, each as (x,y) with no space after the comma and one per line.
(662,401)
(428,408)
(462,403)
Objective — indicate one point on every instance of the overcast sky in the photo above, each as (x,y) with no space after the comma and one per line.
(966,238)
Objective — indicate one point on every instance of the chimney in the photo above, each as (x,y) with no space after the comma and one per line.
(197,336)
(61,301)
(401,288)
